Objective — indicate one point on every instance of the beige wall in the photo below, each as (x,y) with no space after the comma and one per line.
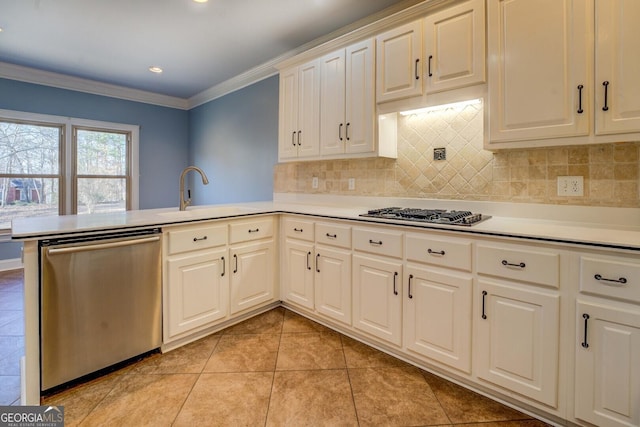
(610,171)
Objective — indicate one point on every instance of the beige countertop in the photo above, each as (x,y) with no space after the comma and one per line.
(615,227)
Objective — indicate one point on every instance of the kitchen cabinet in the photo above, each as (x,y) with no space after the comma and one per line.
(454,44)
(438,300)
(299,112)
(517,325)
(377,283)
(333,283)
(252,257)
(399,62)
(347,106)
(297,265)
(196,283)
(542,90)
(607,340)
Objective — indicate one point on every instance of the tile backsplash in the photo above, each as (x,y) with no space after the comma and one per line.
(610,171)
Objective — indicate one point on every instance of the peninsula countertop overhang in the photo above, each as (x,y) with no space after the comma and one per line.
(578,225)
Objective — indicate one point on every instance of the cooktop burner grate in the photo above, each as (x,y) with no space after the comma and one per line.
(436,216)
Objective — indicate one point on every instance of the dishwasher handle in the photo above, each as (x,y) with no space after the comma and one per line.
(95,247)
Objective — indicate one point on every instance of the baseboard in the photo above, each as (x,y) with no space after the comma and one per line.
(10,264)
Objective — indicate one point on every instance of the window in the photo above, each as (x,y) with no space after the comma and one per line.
(56,165)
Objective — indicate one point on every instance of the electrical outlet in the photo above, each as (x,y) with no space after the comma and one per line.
(314,182)
(570,186)
(440,153)
(352,183)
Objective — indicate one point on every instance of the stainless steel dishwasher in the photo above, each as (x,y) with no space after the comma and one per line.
(100,302)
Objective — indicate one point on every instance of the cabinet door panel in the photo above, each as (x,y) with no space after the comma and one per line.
(252,280)
(309,110)
(332,103)
(333,284)
(288,119)
(518,340)
(360,93)
(298,273)
(607,369)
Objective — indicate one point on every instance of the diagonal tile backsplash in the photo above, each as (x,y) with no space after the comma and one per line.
(610,171)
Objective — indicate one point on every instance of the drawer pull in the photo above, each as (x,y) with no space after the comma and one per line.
(585,344)
(195,239)
(332,236)
(299,230)
(395,277)
(622,280)
(308,265)
(375,242)
(509,264)
(484,294)
(410,280)
(224,270)
(254,231)
(435,252)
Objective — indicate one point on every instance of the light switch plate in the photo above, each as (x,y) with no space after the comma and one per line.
(314,182)
(352,183)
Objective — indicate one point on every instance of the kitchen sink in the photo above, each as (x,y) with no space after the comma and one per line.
(208,212)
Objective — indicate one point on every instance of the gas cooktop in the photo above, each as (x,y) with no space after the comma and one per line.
(434,216)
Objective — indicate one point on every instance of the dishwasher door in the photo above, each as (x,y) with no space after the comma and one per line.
(100,303)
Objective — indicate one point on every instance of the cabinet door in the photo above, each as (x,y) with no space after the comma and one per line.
(454,47)
(198,290)
(309,110)
(333,283)
(288,119)
(252,279)
(438,316)
(398,62)
(617,64)
(539,53)
(332,105)
(607,376)
(377,299)
(298,272)
(517,339)
(360,98)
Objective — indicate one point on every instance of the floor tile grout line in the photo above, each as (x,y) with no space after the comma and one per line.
(353,398)
(275,369)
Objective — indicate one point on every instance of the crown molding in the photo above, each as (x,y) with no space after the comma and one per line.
(62,81)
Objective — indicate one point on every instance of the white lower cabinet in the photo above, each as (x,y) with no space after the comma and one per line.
(607,375)
(333,283)
(252,275)
(437,316)
(298,272)
(517,339)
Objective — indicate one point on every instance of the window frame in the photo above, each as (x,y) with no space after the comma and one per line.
(66,175)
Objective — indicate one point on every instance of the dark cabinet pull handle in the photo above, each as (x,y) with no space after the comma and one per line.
(484,314)
(508,264)
(254,231)
(395,277)
(235,258)
(606,87)
(332,236)
(224,270)
(299,230)
(317,263)
(299,133)
(416,69)
(580,110)
(435,252)
(346,133)
(585,344)
(340,131)
(430,58)
(308,266)
(410,279)
(195,239)
(293,138)
(622,280)
(375,242)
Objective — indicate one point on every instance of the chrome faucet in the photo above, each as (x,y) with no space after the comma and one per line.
(184,203)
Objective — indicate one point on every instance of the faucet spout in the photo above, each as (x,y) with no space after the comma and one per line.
(186,202)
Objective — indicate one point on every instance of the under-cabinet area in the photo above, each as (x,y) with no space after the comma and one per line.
(551,326)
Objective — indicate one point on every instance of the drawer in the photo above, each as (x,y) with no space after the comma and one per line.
(333,234)
(526,265)
(298,229)
(611,278)
(243,231)
(196,238)
(387,243)
(450,253)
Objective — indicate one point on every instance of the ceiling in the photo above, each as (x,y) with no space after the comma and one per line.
(197,45)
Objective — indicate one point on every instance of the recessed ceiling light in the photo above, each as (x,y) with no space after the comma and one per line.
(155,69)
(200,1)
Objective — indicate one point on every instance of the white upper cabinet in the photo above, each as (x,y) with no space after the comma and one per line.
(538,69)
(617,68)
(347,116)
(454,47)
(299,120)
(399,62)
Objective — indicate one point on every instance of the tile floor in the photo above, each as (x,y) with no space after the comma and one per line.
(275,369)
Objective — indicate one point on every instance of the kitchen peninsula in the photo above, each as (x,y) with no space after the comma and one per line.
(465,302)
